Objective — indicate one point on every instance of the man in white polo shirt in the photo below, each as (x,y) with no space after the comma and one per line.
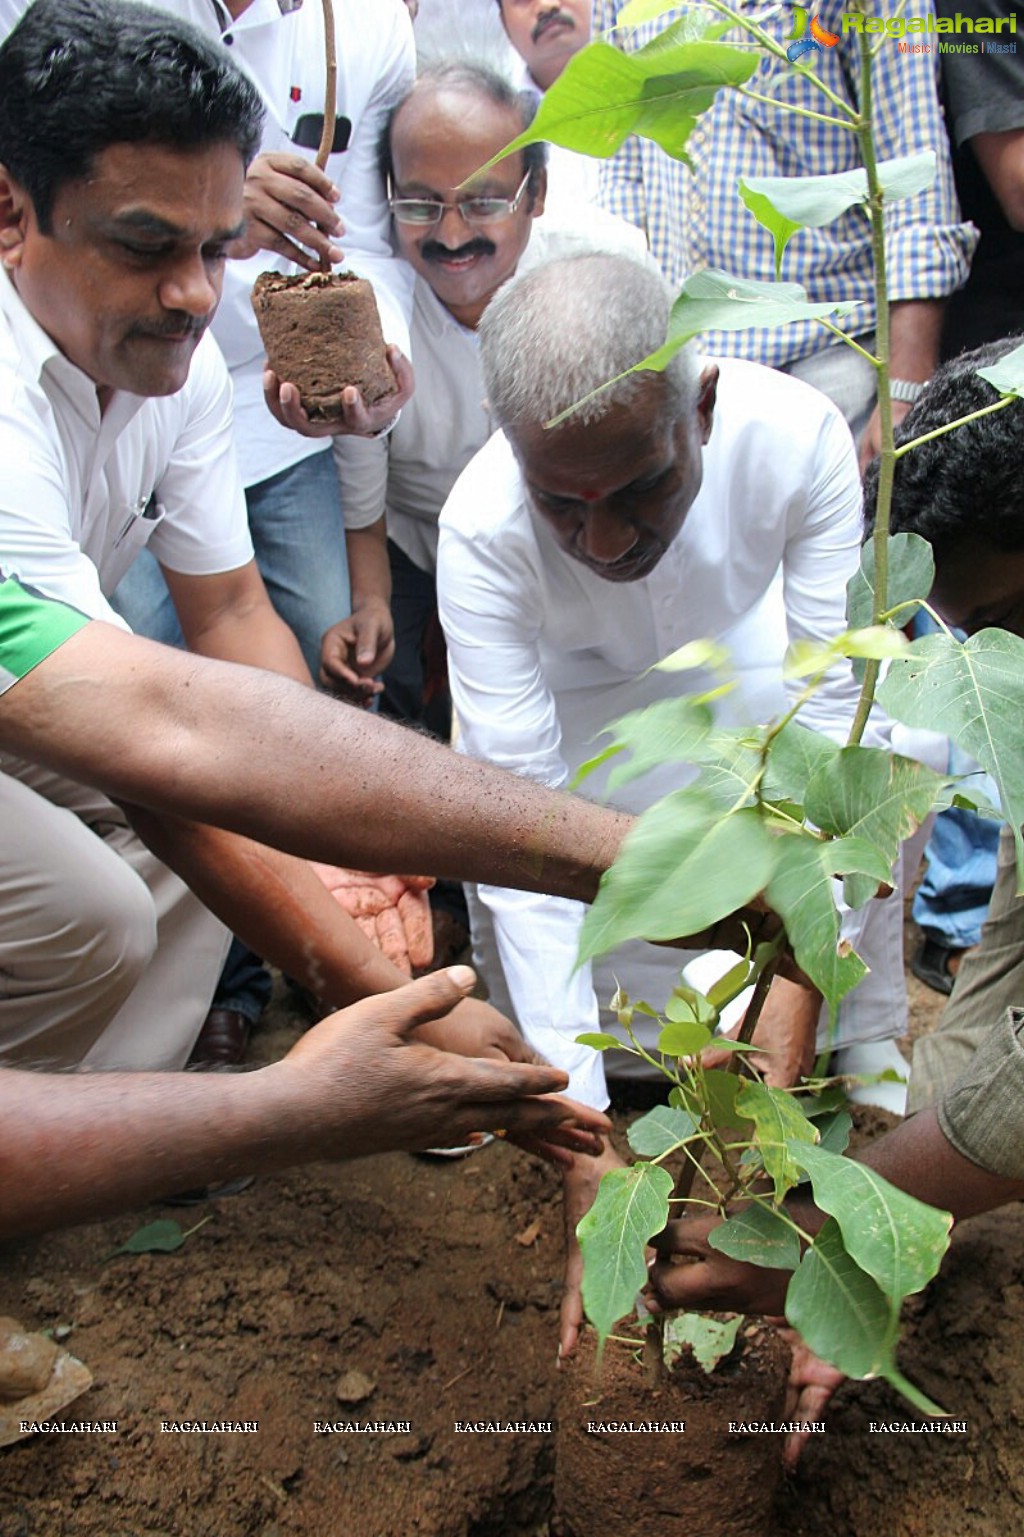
(123,147)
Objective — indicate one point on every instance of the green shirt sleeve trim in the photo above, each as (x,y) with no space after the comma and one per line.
(32,628)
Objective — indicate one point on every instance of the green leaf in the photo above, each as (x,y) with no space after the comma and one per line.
(756,1235)
(682,867)
(712,300)
(161,1237)
(686,1003)
(834,1131)
(910,574)
(793,757)
(635,12)
(841,1313)
(696,653)
(603,95)
(631,1206)
(586,769)
(896,1239)
(710,1339)
(718,1102)
(973,692)
(668,731)
(660,1130)
(875,795)
(1007,376)
(801,892)
(599,1040)
(785,204)
(730,985)
(779,1123)
(683,1040)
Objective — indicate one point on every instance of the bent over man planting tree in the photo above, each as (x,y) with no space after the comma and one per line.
(573,559)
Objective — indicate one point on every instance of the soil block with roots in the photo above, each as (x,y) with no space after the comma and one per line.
(322,333)
(703,1480)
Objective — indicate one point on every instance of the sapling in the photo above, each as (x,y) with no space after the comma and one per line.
(779,810)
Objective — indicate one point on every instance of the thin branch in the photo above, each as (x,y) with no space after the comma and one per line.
(940,432)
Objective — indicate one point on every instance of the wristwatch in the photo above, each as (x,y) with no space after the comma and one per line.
(907,390)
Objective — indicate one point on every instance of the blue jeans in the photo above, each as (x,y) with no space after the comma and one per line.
(299,536)
(951,903)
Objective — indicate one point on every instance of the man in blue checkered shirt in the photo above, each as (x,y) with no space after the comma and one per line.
(694,218)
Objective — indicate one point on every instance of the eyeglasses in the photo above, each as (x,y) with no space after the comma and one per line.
(427,211)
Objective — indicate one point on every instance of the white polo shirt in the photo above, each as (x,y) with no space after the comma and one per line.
(81,493)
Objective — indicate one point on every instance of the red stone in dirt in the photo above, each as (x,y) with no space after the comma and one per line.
(322,333)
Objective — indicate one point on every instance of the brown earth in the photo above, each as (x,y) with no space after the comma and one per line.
(440,1283)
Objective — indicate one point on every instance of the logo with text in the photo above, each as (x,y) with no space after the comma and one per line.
(938,34)
(799,40)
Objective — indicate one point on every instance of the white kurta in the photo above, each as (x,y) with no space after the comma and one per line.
(544,653)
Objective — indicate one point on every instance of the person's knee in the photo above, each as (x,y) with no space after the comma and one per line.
(108,942)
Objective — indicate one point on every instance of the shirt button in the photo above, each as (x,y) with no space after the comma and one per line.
(228,39)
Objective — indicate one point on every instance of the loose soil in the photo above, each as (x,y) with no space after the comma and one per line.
(440,1283)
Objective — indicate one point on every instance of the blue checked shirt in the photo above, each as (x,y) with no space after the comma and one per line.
(695,219)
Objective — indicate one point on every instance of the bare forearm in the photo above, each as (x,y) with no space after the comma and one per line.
(276,904)
(918,1158)
(256,754)
(78,1146)
(915,333)
(368,566)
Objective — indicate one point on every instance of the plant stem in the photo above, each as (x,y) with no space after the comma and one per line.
(817,117)
(887,463)
(331,87)
(654,1352)
(769,44)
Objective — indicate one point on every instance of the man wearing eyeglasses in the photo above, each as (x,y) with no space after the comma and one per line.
(463,242)
(463,237)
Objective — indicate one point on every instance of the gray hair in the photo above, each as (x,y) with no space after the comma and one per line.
(568,326)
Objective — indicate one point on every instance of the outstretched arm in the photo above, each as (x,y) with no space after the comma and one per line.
(78,1146)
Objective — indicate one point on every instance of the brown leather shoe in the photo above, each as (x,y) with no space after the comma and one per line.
(222,1040)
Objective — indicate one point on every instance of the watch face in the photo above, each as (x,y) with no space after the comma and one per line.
(287,6)
(307,131)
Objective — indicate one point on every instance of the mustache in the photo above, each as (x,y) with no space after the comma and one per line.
(177,324)
(550,19)
(433,250)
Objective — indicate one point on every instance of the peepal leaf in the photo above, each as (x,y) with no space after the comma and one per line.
(668,731)
(897,1239)
(600,1040)
(974,692)
(1007,376)
(910,574)
(794,756)
(785,204)
(684,1038)
(756,1235)
(660,1130)
(631,1206)
(157,1238)
(682,867)
(603,95)
(801,892)
(712,300)
(710,1339)
(779,1123)
(842,1314)
(875,795)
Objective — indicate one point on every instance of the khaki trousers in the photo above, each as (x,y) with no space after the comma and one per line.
(107,960)
(990,981)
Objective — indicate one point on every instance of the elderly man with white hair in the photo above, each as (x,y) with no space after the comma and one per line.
(717,500)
